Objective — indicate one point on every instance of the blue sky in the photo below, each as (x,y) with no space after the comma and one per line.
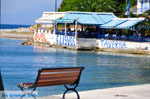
(25,11)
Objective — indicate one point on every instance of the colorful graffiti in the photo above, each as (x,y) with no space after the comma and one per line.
(113,44)
(40,37)
(65,40)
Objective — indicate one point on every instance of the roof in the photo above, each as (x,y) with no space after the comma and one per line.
(113,23)
(104,20)
(48,17)
(90,18)
(122,23)
(129,23)
(64,21)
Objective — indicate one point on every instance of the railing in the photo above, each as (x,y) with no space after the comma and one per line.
(43,31)
(125,38)
(79,34)
(67,33)
(106,36)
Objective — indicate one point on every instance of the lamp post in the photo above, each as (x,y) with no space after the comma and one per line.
(1,83)
(55,5)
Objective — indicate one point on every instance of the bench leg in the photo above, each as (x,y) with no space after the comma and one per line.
(71,89)
(29,93)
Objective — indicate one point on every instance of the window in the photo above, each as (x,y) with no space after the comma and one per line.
(146,1)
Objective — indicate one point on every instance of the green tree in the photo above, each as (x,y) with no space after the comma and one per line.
(88,5)
(68,5)
(118,7)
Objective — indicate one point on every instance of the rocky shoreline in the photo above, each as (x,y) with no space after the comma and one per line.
(20,34)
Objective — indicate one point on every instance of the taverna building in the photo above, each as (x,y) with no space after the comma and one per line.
(142,6)
(89,30)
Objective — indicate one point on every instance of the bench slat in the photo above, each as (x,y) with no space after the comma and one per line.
(61,70)
(59,79)
(56,82)
(57,75)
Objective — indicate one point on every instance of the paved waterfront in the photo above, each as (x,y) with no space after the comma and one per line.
(128,92)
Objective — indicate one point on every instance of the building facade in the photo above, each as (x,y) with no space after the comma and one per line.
(142,6)
(89,30)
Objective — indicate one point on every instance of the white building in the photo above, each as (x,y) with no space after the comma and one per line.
(90,31)
(46,19)
(142,6)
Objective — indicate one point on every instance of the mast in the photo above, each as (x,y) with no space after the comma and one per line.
(55,5)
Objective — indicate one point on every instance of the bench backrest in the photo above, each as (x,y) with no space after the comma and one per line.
(58,76)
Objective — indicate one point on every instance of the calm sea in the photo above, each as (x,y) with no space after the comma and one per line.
(12,26)
(102,70)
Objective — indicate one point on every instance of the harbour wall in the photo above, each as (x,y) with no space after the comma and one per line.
(88,43)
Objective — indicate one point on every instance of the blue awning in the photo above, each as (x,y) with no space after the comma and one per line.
(103,20)
(90,18)
(112,24)
(106,17)
(122,23)
(129,23)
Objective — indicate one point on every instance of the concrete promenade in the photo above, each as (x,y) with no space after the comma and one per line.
(127,92)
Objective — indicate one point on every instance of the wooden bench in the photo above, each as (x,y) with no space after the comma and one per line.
(68,77)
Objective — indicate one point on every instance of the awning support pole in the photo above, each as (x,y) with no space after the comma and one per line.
(82,27)
(57,27)
(65,30)
(54,32)
(98,34)
(76,24)
(103,32)
(116,34)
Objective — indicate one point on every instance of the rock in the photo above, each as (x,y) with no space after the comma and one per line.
(28,42)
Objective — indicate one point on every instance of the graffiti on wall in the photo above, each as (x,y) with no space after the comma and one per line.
(65,40)
(40,37)
(113,44)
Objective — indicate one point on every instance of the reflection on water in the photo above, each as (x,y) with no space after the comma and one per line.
(102,70)
(51,57)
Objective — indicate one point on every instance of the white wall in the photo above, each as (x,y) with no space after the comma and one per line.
(122,44)
(71,41)
(63,40)
(145,6)
(86,43)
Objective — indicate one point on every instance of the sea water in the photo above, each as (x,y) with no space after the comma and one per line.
(102,70)
(13,26)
